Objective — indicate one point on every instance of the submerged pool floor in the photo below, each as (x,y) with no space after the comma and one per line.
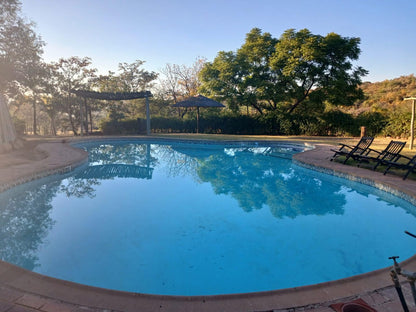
(192,219)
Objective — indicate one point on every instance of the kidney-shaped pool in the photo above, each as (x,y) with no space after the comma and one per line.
(200,219)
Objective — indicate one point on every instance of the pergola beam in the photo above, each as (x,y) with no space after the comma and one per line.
(112,96)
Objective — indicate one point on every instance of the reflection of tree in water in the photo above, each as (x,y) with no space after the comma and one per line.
(79,187)
(261,180)
(122,153)
(24,223)
(177,162)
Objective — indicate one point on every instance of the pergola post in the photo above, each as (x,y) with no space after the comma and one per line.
(81,117)
(148,130)
(412,121)
(197,119)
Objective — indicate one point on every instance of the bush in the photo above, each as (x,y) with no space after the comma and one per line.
(336,122)
(398,124)
(329,123)
(19,125)
(130,126)
(374,122)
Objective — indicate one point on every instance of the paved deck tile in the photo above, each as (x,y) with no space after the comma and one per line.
(52,306)
(31,301)
(5,306)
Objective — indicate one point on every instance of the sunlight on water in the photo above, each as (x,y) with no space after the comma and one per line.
(189,219)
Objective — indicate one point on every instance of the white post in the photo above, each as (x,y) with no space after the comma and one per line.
(412,121)
(412,125)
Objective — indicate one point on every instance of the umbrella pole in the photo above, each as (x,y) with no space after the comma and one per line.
(197,119)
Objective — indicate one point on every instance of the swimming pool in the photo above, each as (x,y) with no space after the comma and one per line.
(191,219)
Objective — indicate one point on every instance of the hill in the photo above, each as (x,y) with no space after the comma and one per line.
(388,94)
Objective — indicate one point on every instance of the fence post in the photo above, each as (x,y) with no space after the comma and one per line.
(363,131)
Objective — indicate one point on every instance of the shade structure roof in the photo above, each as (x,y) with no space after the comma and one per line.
(198,101)
(112,96)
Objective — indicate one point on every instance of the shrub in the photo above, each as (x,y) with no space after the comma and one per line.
(374,122)
(19,125)
(398,124)
(337,122)
(329,123)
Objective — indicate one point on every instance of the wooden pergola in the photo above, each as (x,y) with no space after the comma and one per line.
(115,96)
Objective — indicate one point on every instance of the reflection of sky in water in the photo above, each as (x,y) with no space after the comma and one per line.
(191,219)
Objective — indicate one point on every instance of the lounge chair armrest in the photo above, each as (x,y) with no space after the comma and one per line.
(345,146)
(370,150)
(404,156)
(342,144)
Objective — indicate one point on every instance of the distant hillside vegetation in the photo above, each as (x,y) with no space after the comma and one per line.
(385,106)
(388,94)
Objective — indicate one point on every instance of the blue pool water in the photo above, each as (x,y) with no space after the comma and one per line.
(191,219)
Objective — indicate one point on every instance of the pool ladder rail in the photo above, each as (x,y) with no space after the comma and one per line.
(395,271)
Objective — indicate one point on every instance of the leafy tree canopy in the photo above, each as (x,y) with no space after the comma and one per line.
(299,70)
(20,46)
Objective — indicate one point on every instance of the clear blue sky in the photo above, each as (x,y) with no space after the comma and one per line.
(178,31)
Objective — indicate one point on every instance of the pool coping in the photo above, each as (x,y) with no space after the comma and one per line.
(62,157)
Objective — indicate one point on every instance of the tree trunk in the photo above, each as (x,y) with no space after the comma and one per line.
(71,120)
(298,101)
(34,116)
(7,131)
(87,114)
(185,110)
(53,125)
(90,115)
(257,108)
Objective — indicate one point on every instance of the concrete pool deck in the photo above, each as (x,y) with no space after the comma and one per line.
(22,290)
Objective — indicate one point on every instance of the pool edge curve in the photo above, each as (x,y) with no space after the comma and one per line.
(61,157)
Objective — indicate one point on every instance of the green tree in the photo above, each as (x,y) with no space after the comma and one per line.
(52,99)
(314,69)
(73,73)
(243,78)
(20,46)
(299,69)
(133,78)
(177,83)
(130,78)
(34,81)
